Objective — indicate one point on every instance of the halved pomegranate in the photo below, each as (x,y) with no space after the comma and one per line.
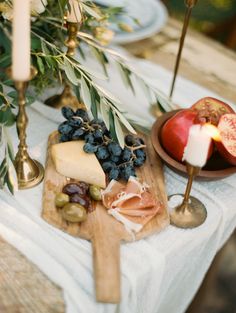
(210,110)
(174,133)
(227,145)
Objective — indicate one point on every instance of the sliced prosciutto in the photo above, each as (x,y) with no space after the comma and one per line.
(132,204)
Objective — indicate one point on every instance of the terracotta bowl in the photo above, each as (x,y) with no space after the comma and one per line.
(216,167)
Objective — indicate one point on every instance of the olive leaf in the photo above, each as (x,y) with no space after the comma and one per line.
(119,132)
(91,11)
(85,93)
(3,168)
(112,125)
(40,65)
(9,183)
(126,123)
(105,112)
(7,118)
(48,35)
(126,76)
(145,88)
(12,181)
(94,104)
(101,57)
(70,72)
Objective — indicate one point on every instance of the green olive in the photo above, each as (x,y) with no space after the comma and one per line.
(61,199)
(95,192)
(74,212)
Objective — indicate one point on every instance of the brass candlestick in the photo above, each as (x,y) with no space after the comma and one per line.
(189,4)
(191,212)
(66,98)
(29,172)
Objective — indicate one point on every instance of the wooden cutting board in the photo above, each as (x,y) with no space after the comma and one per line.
(103,230)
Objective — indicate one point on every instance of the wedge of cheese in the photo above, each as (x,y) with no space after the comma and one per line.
(71,161)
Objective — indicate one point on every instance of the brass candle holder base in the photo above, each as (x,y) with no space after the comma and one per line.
(191,212)
(66,98)
(189,215)
(29,172)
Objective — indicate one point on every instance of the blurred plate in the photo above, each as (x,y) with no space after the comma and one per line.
(216,167)
(151,14)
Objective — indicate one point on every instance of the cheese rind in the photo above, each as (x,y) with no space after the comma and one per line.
(71,161)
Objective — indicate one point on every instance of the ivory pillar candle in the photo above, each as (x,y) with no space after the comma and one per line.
(21,40)
(196,150)
(74,14)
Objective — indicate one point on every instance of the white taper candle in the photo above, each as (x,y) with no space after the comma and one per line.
(21,40)
(74,14)
(196,150)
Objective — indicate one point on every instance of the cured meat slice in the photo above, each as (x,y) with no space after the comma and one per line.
(138,202)
(112,192)
(139,212)
(135,187)
(132,204)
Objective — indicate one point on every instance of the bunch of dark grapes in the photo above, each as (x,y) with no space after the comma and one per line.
(116,162)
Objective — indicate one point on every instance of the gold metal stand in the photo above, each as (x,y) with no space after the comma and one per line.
(66,98)
(189,4)
(29,172)
(192,212)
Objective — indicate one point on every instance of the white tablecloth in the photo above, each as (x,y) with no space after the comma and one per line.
(160,274)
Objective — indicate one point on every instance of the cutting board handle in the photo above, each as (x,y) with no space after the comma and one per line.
(106,258)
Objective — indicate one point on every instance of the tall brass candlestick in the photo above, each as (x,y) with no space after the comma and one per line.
(189,4)
(29,172)
(66,98)
(191,212)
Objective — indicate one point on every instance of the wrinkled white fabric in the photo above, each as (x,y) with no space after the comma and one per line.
(161,273)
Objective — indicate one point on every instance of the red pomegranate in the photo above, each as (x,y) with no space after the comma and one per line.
(227,145)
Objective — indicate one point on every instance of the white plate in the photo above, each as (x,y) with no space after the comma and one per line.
(151,14)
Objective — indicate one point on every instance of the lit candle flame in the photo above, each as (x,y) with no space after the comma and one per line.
(212,131)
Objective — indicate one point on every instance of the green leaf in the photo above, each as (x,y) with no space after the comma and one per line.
(2,100)
(108,95)
(62,4)
(91,11)
(7,118)
(76,90)
(81,52)
(5,60)
(9,183)
(40,65)
(145,89)
(126,123)
(105,113)
(35,43)
(85,93)
(125,75)
(70,73)
(112,125)
(119,132)
(29,98)
(44,48)
(94,107)
(13,94)
(3,167)
(12,177)
(1,134)
(165,105)
(102,59)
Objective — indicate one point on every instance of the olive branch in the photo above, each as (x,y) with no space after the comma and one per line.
(48,35)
